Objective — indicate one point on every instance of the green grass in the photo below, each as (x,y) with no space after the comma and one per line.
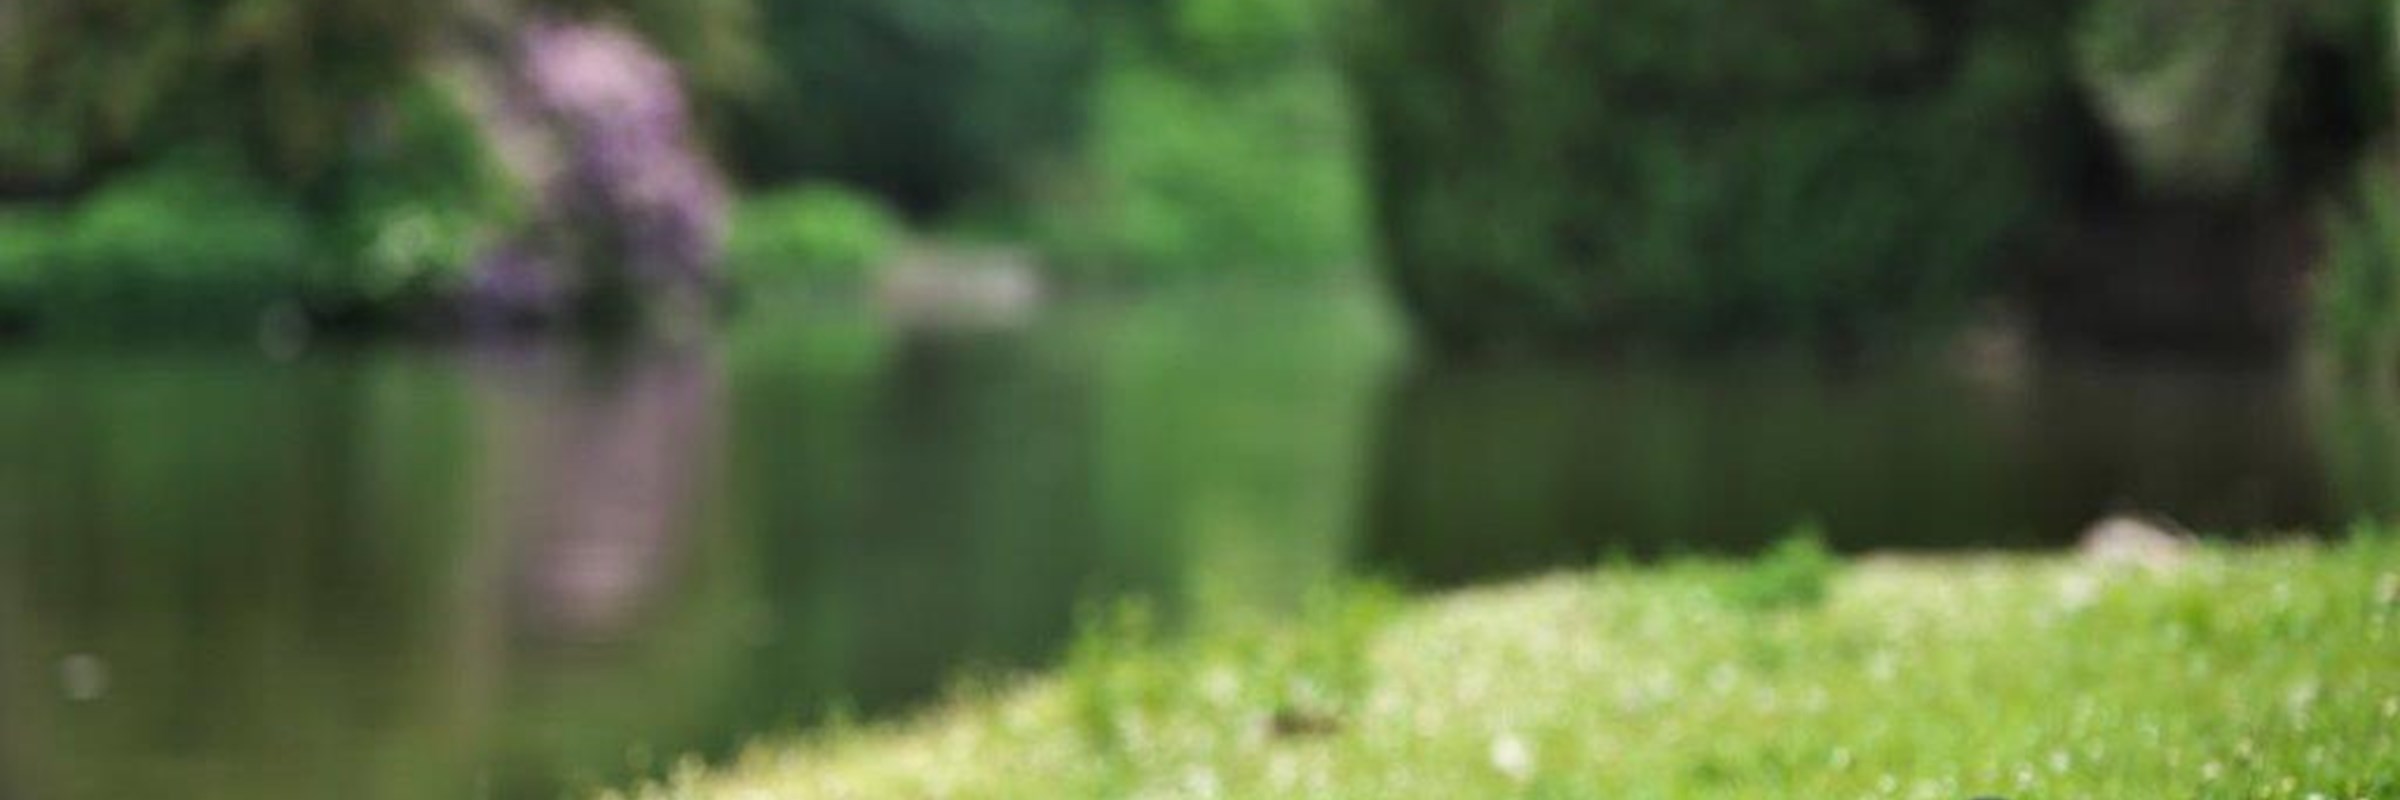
(2247,673)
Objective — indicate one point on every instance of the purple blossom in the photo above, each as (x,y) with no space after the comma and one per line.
(625,201)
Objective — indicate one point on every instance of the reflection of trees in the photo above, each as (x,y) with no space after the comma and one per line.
(397,575)
(256,555)
(936,499)
(626,611)
(2222,448)
(913,510)
(1499,469)
(1502,469)
(979,508)
(1236,429)
(297,577)
(17,686)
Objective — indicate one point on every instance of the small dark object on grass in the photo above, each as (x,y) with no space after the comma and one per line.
(1291,723)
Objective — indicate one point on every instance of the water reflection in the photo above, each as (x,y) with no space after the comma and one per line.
(248,552)
(598,460)
(2222,448)
(1646,459)
(502,573)
(922,510)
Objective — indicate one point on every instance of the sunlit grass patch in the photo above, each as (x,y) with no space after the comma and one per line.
(2243,673)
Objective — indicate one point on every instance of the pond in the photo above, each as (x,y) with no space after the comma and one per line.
(513,571)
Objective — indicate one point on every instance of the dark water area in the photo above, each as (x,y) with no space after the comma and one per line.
(1648,461)
(512,572)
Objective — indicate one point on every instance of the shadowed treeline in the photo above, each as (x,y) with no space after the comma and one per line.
(1548,176)
(1558,175)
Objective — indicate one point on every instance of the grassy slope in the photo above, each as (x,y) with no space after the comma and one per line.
(2245,673)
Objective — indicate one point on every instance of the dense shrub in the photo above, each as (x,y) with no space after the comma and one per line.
(211,156)
(1557,171)
(86,83)
(1220,142)
(201,236)
(411,205)
(89,82)
(819,236)
(28,237)
(1186,176)
(193,239)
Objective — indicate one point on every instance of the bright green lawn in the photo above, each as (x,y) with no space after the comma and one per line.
(2244,673)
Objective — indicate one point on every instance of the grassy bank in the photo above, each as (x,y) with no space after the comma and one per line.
(2240,673)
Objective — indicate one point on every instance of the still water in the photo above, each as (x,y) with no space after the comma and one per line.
(515,571)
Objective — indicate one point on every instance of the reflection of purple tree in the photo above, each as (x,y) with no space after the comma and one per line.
(625,206)
(602,471)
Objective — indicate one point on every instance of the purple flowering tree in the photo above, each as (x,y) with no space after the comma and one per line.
(625,211)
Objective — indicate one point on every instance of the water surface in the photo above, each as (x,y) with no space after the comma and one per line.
(512,571)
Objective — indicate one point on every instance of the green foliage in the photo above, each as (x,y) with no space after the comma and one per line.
(1793,575)
(1253,35)
(2185,85)
(216,157)
(199,236)
(1220,142)
(29,239)
(1565,172)
(192,239)
(412,203)
(2358,289)
(1188,176)
(813,236)
(85,82)
(923,102)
